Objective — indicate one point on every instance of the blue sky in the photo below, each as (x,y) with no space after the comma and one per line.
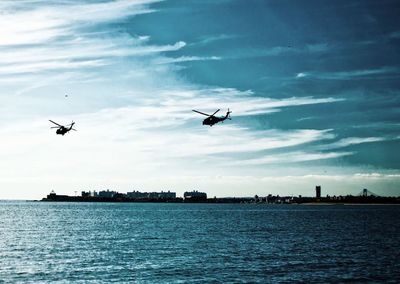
(313,86)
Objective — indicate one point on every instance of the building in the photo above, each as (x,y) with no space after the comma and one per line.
(195,196)
(106,193)
(54,197)
(103,193)
(89,193)
(137,194)
(152,195)
(167,194)
(318,191)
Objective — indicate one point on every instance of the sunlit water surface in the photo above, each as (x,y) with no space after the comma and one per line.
(197,243)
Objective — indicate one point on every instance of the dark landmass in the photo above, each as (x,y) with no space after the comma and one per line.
(66,198)
(349,199)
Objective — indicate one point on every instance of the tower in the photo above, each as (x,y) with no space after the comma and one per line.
(318,191)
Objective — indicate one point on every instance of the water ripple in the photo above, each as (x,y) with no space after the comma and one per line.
(197,243)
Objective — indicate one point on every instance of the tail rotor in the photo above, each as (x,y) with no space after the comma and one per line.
(228,114)
(72,125)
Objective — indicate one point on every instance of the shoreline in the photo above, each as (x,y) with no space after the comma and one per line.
(333,203)
(209,202)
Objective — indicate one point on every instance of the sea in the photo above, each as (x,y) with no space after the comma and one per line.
(45,242)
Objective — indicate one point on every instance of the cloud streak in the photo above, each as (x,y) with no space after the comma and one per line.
(185,59)
(345,142)
(39,24)
(294,157)
(352,74)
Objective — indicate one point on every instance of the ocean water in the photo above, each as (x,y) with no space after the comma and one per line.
(197,243)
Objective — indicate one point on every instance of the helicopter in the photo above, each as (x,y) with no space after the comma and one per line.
(63,129)
(212,119)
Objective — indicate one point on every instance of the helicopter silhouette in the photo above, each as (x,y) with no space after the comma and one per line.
(63,129)
(212,119)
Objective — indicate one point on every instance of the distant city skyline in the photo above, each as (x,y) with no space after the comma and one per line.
(313,87)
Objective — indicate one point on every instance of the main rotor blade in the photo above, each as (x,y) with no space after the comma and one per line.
(55,122)
(215,112)
(54,127)
(74,129)
(201,112)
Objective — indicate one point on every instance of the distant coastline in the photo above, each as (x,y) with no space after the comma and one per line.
(199,197)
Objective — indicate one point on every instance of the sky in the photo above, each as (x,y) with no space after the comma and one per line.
(313,87)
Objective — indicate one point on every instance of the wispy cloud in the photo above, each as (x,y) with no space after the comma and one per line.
(308,48)
(75,54)
(353,74)
(376,175)
(306,118)
(273,51)
(395,35)
(40,24)
(45,66)
(62,36)
(317,48)
(293,157)
(212,38)
(349,141)
(89,48)
(301,75)
(167,60)
(242,103)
